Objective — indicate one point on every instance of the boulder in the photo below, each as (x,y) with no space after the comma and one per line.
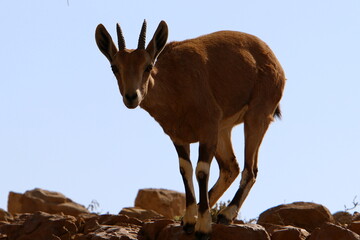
(343,217)
(173,232)
(355,227)
(356,216)
(119,220)
(290,233)
(141,214)
(329,231)
(45,201)
(165,230)
(40,226)
(242,231)
(109,233)
(151,230)
(304,215)
(165,202)
(5,216)
(107,226)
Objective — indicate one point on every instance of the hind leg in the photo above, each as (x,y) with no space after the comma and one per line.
(228,166)
(255,127)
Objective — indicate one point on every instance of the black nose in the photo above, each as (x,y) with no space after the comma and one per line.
(131,97)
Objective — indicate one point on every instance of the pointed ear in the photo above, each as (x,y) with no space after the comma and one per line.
(105,42)
(157,43)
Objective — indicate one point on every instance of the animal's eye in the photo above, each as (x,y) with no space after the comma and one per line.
(114,69)
(149,68)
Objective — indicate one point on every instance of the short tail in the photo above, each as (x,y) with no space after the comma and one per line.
(277,113)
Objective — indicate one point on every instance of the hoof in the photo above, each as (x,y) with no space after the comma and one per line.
(202,236)
(189,228)
(223,220)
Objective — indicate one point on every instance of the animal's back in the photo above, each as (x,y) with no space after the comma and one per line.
(237,68)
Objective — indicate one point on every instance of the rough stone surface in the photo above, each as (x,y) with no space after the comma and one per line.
(299,214)
(109,233)
(284,222)
(290,233)
(355,227)
(40,226)
(166,202)
(141,214)
(342,217)
(151,230)
(243,231)
(329,231)
(5,216)
(45,201)
(220,232)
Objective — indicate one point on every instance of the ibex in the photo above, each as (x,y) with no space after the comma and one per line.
(198,90)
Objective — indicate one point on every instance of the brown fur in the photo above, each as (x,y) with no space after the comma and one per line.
(227,71)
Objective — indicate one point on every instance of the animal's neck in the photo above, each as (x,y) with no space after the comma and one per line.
(151,100)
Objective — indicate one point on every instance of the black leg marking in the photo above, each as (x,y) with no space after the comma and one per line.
(186,171)
(183,152)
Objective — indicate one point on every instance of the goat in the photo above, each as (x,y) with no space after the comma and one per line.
(198,90)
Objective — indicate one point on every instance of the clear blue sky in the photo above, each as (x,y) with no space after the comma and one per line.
(63,126)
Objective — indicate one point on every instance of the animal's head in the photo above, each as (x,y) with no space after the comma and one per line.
(132,67)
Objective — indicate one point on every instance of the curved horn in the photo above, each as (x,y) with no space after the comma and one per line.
(121,40)
(142,37)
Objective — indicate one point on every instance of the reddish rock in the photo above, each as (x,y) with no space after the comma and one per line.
(329,231)
(299,214)
(289,233)
(141,214)
(356,216)
(165,202)
(342,217)
(109,233)
(120,220)
(174,232)
(5,216)
(219,232)
(243,231)
(355,227)
(112,227)
(40,226)
(45,201)
(151,230)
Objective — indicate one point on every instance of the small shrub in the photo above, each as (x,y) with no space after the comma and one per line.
(93,206)
(355,205)
(217,208)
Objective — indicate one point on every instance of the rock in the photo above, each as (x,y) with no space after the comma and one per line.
(290,233)
(141,214)
(219,232)
(329,231)
(342,217)
(299,214)
(173,232)
(114,227)
(356,216)
(151,230)
(120,220)
(40,226)
(45,201)
(5,216)
(165,202)
(355,227)
(109,233)
(243,231)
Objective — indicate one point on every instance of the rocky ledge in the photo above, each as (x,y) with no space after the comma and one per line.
(296,221)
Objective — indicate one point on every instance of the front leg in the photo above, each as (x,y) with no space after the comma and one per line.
(203,225)
(186,171)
